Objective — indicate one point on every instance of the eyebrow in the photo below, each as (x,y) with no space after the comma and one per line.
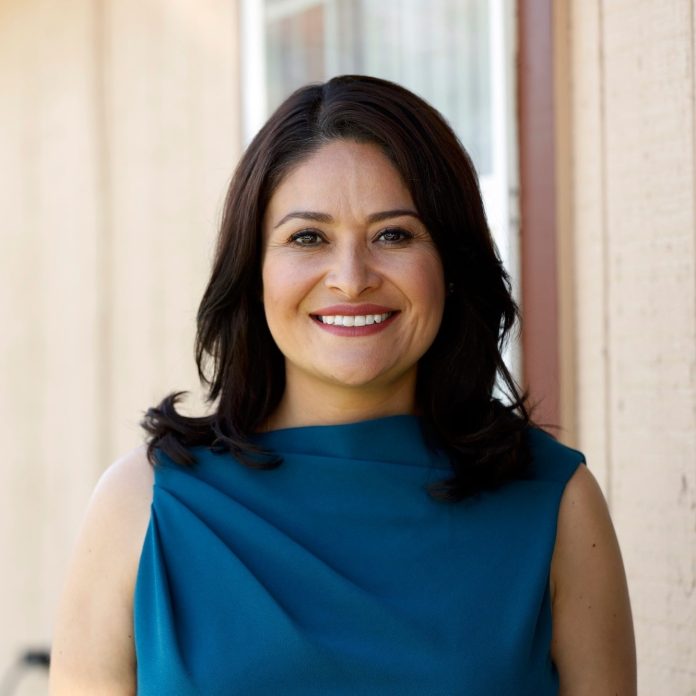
(326,218)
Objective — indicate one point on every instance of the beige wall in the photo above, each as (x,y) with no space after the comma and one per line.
(119,129)
(628,115)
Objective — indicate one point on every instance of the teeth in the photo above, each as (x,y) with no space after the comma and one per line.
(359,320)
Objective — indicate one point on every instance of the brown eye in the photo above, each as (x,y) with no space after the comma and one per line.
(395,235)
(306,238)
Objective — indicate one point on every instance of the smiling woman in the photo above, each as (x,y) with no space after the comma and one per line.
(359,514)
(366,270)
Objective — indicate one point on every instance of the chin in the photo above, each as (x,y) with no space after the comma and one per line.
(361,377)
(355,380)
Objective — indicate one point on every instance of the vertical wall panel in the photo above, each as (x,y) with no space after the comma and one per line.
(173,130)
(119,130)
(174,138)
(652,332)
(48,300)
(565,272)
(592,385)
(635,256)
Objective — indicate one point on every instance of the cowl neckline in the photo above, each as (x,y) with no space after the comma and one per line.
(399,439)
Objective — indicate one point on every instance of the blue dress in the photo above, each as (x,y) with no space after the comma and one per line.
(336,573)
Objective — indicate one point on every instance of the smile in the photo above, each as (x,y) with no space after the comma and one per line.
(354,320)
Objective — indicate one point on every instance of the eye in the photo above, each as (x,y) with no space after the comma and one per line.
(306,238)
(394,235)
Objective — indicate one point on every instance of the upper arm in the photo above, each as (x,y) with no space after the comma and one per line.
(593,644)
(93,647)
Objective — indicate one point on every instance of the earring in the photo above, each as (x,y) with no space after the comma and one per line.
(450,288)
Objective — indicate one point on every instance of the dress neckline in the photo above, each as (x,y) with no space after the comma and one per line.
(399,439)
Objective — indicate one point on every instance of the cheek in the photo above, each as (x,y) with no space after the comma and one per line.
(276,279)
(287,278)
(428,284)
(272,283)
(285,284)
(273,291)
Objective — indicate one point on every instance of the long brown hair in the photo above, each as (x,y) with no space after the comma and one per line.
(237,359)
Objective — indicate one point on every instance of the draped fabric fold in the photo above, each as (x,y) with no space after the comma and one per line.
(336,573)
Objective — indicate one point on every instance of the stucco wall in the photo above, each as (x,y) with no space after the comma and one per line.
(628,70)
(119,129)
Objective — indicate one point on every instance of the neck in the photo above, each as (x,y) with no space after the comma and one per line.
(304,404)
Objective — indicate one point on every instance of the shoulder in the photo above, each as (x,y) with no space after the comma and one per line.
(127,483)
(119,510)
(97,597)
(593,644)
(551,460)
(583,518)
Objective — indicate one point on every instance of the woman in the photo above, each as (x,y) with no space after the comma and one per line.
(359,514)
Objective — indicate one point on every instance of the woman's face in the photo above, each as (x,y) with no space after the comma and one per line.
(353,285)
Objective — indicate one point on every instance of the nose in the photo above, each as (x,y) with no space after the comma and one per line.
(352,271)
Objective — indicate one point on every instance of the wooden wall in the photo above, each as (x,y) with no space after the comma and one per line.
(627,72)
(119,129)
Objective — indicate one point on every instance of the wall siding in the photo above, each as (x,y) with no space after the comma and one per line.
(635,253)
(119,128)
(49,199)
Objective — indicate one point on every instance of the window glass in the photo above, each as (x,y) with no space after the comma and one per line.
(439,49)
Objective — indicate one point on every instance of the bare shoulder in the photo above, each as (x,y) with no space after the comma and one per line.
(127,483)
(593,643)
(585,535)
(97,599)
(119,510)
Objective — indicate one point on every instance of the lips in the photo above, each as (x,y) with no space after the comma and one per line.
(353,320)
(351,310)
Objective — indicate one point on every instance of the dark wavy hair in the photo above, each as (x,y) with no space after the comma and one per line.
(243,369)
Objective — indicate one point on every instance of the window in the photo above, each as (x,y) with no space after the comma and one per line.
(456,54)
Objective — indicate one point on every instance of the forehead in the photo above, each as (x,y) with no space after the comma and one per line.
(341,176)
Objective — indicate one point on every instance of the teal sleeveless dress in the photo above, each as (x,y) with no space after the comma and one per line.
(337,574)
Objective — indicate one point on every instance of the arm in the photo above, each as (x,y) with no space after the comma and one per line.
(593,644)
(93,648)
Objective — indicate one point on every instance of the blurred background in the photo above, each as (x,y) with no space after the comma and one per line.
(120,125)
